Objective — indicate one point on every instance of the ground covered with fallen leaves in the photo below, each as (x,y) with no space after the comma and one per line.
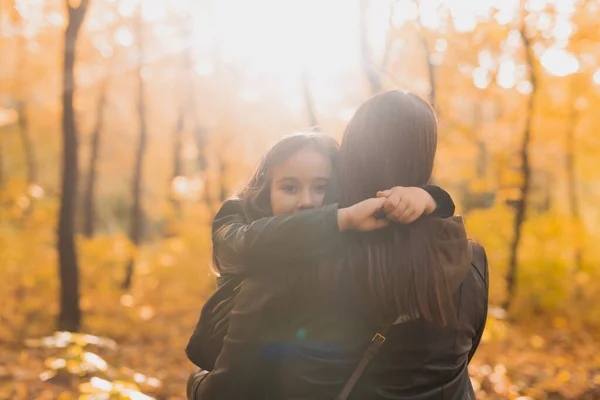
(542,358)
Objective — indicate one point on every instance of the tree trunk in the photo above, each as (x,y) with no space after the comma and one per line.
(511,278)
(1,161)
(200,134)
(27,145)
(1,135)
(373,75)
(70,314)
(388,40)
(89,213)
(308,101)
(23,122)
(571,176)
(185,108)
(482,157)
(177,163)
(136,227)
(430,71)
(223,189)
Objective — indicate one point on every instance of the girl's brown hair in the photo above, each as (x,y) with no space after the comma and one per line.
(255,195)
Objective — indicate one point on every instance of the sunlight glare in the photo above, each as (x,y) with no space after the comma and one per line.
(507,11)
(139,378)
(563,6)
(436,59)
(592,7)
(486,60)
(126,8)
(544,22)
(535,5)
(56,363)
(287,36)
(104,48)
(346,114)
(126,300)
(404,11)
(134,395)
(180,185)
(56,19)
(101,384)
(441,45)
(249,95)
(481,78)
(124,37)
(524,87)
(514,39)
(466,14)
(146,313)
(95,360)
(506,77)
(153,10)
(287,39)
(204,68)
(464,21)
(559,62)
(36,191)
(562,28)
(596,77)
(429,13)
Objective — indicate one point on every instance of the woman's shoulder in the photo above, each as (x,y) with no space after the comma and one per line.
(479,264)
(479,260)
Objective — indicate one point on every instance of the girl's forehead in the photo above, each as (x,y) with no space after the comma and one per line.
(305,162)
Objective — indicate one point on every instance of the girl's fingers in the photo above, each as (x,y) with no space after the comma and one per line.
(394,204)
(403,215)
(413,217)
(380,223)
(402,208)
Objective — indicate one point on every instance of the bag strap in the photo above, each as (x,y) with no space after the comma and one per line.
(370,353)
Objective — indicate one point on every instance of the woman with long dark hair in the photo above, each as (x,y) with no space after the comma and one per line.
(318,332)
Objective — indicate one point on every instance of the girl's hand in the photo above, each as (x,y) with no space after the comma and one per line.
(405,204)
(362,216)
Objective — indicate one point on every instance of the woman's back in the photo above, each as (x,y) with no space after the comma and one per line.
(419,360)
(423,361)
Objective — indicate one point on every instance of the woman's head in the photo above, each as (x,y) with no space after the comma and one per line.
(293,175)
(390,141)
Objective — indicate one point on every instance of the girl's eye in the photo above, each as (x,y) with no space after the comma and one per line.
(320,188)
(289,188)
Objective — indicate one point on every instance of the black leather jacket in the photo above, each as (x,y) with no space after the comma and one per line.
(266,352)
(287,340)
(266,244)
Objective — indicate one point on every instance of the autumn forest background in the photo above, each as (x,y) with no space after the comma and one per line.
(125,123)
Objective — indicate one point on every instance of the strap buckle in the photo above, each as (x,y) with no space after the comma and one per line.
(379,338)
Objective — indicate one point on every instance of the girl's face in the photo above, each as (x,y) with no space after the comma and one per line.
(300,182)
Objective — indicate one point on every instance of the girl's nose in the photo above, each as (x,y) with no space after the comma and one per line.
(305,200)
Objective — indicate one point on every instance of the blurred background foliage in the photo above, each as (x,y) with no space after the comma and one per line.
(160,109)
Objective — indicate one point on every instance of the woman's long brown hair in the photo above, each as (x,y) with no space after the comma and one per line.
(391,141)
